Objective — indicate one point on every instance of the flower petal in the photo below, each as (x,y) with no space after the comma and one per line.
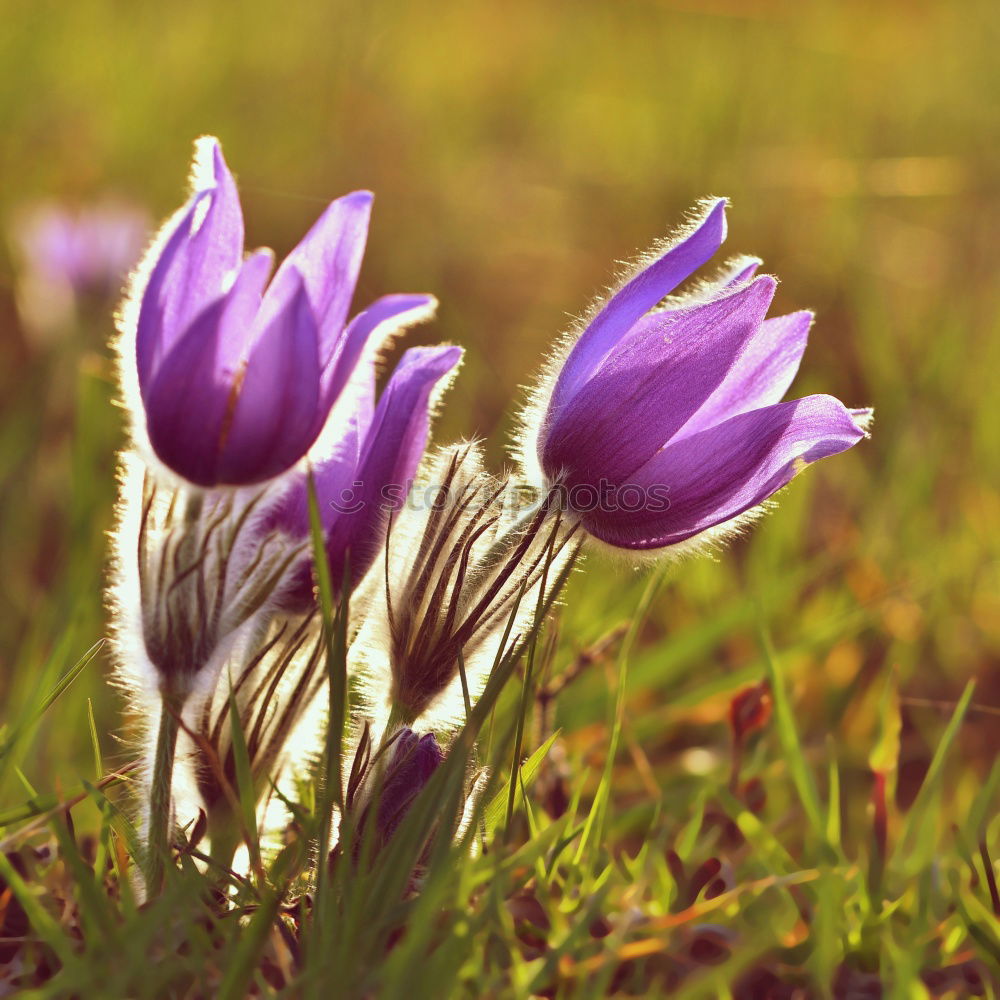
(194,265)
(390,455)
(329,260)
(398,434)
(640,294)
(191,391)
(273,415)
(734,274)
(761,375)
(163,288)
(645,392)
(370,330)
(334,477)
(741,271)
(244,301)
(715,475)
(414,761)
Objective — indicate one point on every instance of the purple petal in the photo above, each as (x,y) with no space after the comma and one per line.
(186,403)
(390,455)
(334,477)
(743,270)
(414,761)
(368,472)
(371,328)
(762,374)
(398,434)
(191,392)
(329,260)
(242,312)
(359,401)
(716,474)
(640,294)
(273,418)
(193,268)
(647,391)
(162,289)
(737,273)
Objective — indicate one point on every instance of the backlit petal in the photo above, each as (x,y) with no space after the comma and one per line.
(648,390)
(717,474)
(636,298)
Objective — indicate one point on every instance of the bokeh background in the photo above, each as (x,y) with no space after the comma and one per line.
(517,150)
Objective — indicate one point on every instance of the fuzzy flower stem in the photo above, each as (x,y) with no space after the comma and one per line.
(400,717)
(224,836)
(158,825)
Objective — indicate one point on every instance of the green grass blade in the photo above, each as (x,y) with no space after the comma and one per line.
(594,825)
(791,743)
(493,815)
(915,845)
(245,789)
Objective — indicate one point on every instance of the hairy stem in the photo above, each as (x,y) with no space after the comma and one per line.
(400,717)
(159,822)
(224,836)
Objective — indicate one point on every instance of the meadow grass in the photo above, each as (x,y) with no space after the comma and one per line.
(516,150)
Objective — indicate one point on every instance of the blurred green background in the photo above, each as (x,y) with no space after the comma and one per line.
(518,150)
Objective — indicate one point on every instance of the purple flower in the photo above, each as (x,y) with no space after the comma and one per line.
(664,423)
(413,763)
(238,374)
(69,254)
(90,249)
(391,787)
(368,473)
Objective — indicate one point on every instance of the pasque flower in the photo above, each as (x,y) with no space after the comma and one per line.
(413,759)
(238,374)
(368,474)
(383,786)
(664,423)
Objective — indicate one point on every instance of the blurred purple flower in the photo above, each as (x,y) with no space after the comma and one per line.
(237,375)
(69,254)
(664,423)
(368,473)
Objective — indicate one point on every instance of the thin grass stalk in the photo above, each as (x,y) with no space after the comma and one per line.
(526,689)
(594,825)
